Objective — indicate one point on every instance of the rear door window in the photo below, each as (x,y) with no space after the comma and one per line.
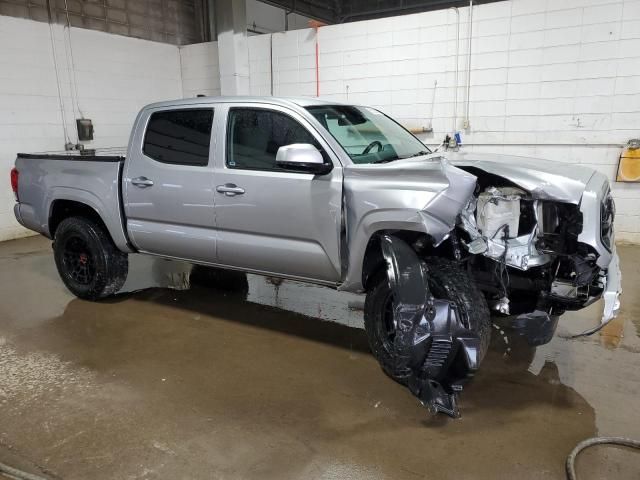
(181,137)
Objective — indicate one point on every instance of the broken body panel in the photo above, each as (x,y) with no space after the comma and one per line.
(417,195)
(430,333)
(538,228)
(437,195)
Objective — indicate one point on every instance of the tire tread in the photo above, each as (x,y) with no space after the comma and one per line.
(111,273)
(446,280)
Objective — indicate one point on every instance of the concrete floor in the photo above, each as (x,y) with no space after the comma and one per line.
(196,383)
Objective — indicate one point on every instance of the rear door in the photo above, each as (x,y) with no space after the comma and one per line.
(268,219)
(168,183)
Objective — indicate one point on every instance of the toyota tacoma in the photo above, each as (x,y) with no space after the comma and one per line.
(342,196)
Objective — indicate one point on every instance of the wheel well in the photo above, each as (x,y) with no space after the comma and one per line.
(373,262)
(62,209)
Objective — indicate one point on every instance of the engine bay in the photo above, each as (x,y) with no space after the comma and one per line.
(524,252)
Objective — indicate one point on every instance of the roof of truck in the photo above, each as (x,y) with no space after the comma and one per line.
(285,101)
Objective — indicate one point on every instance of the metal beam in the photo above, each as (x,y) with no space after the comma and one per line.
(326,11)
(354,10)
(333,11)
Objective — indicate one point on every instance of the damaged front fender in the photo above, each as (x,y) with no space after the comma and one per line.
(409,195)
(429,333)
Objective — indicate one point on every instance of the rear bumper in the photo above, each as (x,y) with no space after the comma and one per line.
(613,289)
(16,212)
(26,217)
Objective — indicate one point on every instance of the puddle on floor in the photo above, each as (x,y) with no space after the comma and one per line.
(237,376)
(306,299)
(609,356)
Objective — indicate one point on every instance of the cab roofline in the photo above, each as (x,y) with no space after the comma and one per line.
(281,101)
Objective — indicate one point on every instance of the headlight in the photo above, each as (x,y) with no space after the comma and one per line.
(607,216)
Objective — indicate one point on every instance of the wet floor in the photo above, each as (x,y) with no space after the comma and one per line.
(179,379)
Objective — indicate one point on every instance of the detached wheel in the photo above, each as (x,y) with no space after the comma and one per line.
(447,281)
(88,262)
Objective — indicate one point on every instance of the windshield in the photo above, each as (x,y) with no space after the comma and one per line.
(366,134)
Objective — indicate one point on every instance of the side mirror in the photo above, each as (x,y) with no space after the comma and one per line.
(302,157)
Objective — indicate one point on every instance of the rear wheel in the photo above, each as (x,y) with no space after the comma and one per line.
(447,281)
(88,262)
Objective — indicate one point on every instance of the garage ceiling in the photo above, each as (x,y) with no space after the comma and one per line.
(335,11)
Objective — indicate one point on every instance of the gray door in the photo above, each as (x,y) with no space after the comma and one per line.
(275,221)
(168,185)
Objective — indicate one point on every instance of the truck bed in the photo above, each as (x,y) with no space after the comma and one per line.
(92,178)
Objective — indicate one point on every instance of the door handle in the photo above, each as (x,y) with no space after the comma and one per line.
(142,182)
(230,189)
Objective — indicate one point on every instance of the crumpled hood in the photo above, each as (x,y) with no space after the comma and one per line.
(545,180)
(417,194)
(426,194)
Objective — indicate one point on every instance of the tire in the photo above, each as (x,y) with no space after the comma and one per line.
(446,281)
(88,262)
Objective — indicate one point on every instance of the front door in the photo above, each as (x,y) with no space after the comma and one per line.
(168,184)
(270,220)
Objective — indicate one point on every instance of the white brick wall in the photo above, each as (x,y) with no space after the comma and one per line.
(294,57)
(260,64)
(200,69)
(559,80)
(115,76)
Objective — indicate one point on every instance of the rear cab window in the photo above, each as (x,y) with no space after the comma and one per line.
(180,137)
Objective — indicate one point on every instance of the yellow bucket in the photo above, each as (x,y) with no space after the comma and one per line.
(629,164)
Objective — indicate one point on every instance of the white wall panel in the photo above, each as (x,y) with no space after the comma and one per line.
(200,69)
(557,79)
(554,79)
(114,76)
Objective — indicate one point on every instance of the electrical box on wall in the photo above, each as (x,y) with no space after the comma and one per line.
(85,129)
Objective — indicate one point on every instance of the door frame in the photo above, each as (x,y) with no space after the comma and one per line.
(221,118)
(136,154)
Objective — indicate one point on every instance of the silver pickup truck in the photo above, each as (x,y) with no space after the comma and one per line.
(342,196)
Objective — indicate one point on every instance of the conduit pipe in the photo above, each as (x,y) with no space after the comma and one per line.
(286,16)
(470,30)
(63,116)
(271,62)
(74,81)
(455,81)
(317,66)
(315,24)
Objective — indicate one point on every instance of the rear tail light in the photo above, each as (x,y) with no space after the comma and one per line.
(14,181)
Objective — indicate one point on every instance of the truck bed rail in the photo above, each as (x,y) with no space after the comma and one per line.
(115,154)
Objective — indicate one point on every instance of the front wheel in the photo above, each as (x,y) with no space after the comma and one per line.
(88,262)
(446,281)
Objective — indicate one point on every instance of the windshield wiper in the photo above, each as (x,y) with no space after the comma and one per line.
(387,160)
(419,154)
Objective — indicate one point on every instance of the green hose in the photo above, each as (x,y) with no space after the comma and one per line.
(570,465)
(18,474)
(571,459)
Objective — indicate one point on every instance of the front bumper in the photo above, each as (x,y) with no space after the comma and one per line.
(613,289)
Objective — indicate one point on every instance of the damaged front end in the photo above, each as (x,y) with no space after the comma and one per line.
(527,243)
(528,252)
